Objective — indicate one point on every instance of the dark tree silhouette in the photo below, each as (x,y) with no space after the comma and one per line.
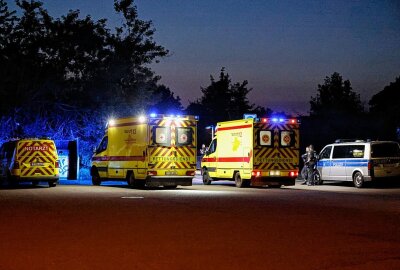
(335,96)
(222,101)
(60,74)
(336,113)
(385,110)
(165,102)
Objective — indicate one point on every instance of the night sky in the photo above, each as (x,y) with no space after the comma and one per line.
(283,48)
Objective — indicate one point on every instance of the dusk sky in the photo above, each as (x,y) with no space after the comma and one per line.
(283,48)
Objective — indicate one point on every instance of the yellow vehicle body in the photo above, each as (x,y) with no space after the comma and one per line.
(254,152)
(153,151)
(30,160)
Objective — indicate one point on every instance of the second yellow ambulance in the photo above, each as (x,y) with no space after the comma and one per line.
(254,151)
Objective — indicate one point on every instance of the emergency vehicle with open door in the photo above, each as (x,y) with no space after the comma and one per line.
(29,160)
(254,151)
(158,150)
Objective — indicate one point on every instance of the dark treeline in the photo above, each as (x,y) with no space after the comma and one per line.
(64,77)
(336,112)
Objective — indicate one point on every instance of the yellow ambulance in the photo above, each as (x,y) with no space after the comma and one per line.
(29,160)
(157,150)
(254,151)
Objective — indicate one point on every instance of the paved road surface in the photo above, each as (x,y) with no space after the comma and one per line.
(200,227)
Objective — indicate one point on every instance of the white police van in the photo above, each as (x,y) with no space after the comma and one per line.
(359,161)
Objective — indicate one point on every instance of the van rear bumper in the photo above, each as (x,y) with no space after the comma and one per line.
(41,179)
(264,181)
(156,181)
(367,178)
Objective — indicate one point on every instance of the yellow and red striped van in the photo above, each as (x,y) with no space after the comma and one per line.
(156,150)
(32,160)
(254,151)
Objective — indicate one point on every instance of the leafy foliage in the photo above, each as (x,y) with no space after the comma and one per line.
(62,77)
(222,101)
(385,109)
(335,96)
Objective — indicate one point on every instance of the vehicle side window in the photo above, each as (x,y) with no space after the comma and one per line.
(326,153)
(213,147)
(385,150)
(348,151)
(356,151)
(340,151)
(103,145)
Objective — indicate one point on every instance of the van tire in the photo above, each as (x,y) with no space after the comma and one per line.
(358,180)
(133,182)
(239,182)
(206,178)
(96,180)
(52,183)
(317,179)
(12,182)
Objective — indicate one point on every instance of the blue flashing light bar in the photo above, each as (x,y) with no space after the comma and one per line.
(173,116)
(279,120)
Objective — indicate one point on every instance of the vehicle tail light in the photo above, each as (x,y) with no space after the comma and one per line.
(256,173)
(190,173)
(371,168)
(57,164)
(152,173)
(294,173)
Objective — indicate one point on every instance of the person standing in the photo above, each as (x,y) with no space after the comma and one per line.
(311,161)
(303,172)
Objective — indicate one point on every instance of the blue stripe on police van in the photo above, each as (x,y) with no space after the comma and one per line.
(343,162)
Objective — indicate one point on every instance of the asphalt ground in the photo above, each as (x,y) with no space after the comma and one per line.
(80,226)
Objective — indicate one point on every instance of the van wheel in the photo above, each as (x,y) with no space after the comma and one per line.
(96,180)
(206,178)
(358,180)
(239,182)
(317,179)
(52,183)
(132,182)
(12,182)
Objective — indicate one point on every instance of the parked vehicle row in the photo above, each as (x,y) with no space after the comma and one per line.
(160,150)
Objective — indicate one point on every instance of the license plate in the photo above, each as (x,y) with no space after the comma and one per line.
(34,164)
(171,173)
(388,165)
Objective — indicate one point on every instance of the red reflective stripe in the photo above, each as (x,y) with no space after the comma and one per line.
(235,127)
(209,159)
(228,159)
(119,158)
(126,124)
